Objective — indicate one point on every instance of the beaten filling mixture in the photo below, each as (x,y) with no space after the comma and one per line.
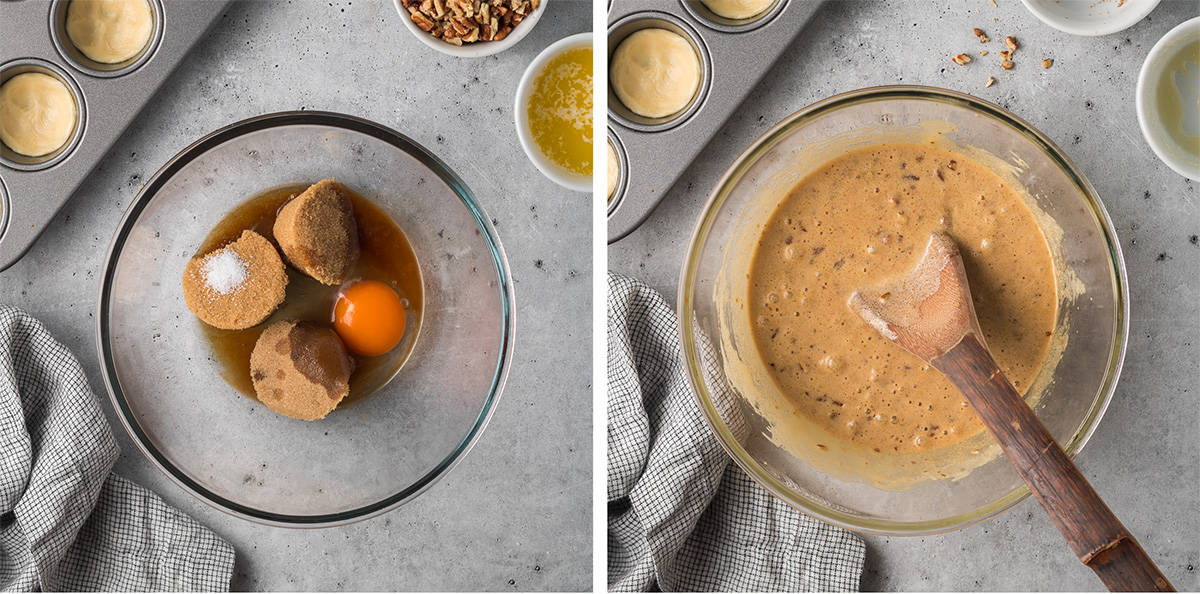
(860,220)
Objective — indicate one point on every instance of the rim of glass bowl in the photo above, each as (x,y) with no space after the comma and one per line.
(355,124)
(721,192)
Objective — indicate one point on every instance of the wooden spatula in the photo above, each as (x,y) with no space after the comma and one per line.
(929,312)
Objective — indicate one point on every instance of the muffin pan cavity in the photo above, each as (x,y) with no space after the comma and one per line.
(735,55)
(614,199)
(622,29)
(3,210)
(11,158)
(107,99)
(702,13)
(78,60)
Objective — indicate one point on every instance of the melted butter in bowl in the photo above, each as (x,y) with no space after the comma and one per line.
(559,111)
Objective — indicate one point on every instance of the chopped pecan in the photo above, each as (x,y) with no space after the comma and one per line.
(1047,63)
(423,22)
(461,25)
(469,21)
(961,59)
(1011,42)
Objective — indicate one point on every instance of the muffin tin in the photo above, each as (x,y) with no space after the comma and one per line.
(107,98)
(734,55)
(614,199)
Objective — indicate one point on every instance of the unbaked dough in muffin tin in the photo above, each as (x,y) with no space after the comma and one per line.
(733,54)
(107,98)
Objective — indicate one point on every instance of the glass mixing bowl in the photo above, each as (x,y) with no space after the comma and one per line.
(371,454)
(1069,397)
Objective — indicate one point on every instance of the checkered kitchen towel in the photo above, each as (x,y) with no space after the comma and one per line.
(681,517)
(66,522)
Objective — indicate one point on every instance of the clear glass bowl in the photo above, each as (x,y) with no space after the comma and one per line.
(371,454)
(1094,321)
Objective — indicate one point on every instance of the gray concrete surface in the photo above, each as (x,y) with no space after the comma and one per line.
(1143,458)
(516,514)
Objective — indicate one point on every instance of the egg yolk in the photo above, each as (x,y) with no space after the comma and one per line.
(369,317)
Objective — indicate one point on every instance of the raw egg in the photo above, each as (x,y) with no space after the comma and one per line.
(369,316)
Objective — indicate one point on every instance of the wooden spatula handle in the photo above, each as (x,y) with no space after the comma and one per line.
(1091,529)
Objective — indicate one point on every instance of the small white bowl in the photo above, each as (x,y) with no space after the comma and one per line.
(478,49)
(560,176)
(1090,17)
(1149,119)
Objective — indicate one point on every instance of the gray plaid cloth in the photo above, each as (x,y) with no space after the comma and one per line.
(681,517)
(66,522)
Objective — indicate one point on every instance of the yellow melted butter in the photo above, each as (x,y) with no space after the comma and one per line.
(560,110)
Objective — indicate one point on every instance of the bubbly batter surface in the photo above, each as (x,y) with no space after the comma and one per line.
(110,31)
(864,218)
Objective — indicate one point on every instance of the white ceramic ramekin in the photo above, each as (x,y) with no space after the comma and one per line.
(1090,17)
(560,176)
(479,48)
(1150,120)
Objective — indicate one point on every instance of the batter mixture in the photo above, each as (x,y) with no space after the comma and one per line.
(110,31)
(737,9)
(655,72)
(37,114)
(864,218)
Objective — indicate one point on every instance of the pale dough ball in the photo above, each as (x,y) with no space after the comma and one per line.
(737,9)
(37,114)
(109,31)
(655,72)
(614,171)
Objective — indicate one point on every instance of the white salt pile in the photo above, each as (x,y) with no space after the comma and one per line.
(224,271)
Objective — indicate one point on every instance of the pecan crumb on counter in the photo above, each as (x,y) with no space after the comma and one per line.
(1011,42)
(469,21)
(983,38)
(961,59)
(1047,63)
(1007,65)
(990,81)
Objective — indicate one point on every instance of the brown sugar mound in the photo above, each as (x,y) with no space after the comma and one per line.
(317,232)
(300,369)
(236,286)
